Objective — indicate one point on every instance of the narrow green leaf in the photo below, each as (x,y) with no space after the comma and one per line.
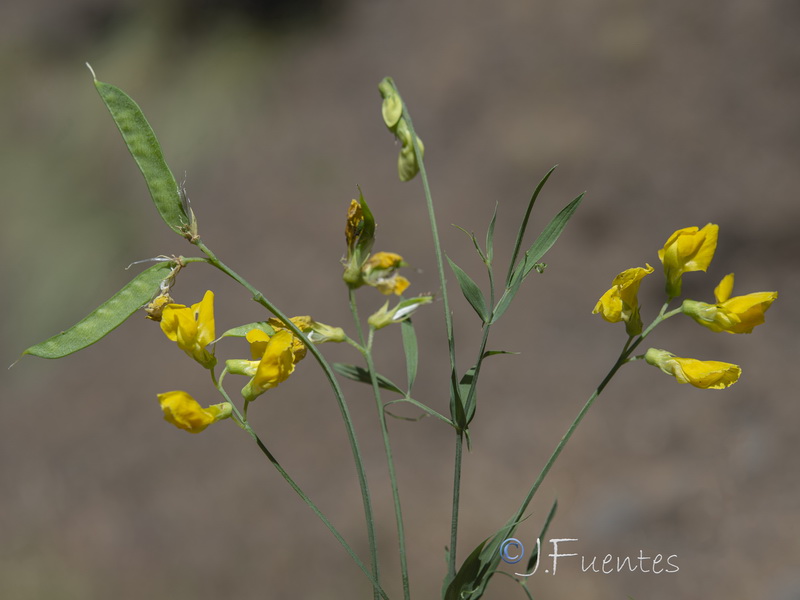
(360,374)
(510,291)
(523,226)
(411,351)
(535,552)
(457,413)
(490,237)
(471,291)
(550,234)
(107,317)
(428,410)
(466,578)
(465,389)
(144,147)
(243,330)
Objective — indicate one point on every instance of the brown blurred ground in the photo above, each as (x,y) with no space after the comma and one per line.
(669,114)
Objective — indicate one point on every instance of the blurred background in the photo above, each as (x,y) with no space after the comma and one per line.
(667,114)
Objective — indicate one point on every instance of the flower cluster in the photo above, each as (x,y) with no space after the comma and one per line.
(378,270)
(273,358)
(686,250)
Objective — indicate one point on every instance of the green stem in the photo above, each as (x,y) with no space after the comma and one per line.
(521,583)
(348,422)
(376,585)
(246,426)
(448,319)
(621,360)
(398,514)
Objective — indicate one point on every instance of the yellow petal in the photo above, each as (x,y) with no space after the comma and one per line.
(258,343)
(706,374)
(686,250)
(185,412)
(725,288)
(749,310)
(383,260)
(204,313)
(277,363)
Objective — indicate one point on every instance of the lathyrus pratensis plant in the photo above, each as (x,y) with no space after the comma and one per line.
(271,348)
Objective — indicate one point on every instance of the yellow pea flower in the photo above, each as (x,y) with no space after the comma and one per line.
(275,366)
(185,412)
(705,374)
(379,271)
(686,250)
(739,314)
(192,328)
(621,302)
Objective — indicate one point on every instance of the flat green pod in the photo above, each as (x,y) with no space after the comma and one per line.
(146,151)
(106,317)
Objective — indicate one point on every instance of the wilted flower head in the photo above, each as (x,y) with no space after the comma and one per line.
(380,272)
(621,303)
(359,233)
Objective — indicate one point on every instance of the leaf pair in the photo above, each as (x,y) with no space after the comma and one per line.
(517,271)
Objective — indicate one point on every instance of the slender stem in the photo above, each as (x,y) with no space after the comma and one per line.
(448,319)
(246,426)
(621,360)
(376,392)
(521,583)
(348,422)
(376,585)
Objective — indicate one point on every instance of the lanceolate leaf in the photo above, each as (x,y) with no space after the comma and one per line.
(490,237)
(467,578)
(360,374)
(550,234)
(524,225)
(535,551)
(530,260)
(471,291)
(107,317)
(144,147)
(411,351)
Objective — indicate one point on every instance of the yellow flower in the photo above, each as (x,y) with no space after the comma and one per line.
(192,328)
(621,302)
(705,374)
(739,314)
(686,250)
(275,366)
(380,272)
(185,412)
